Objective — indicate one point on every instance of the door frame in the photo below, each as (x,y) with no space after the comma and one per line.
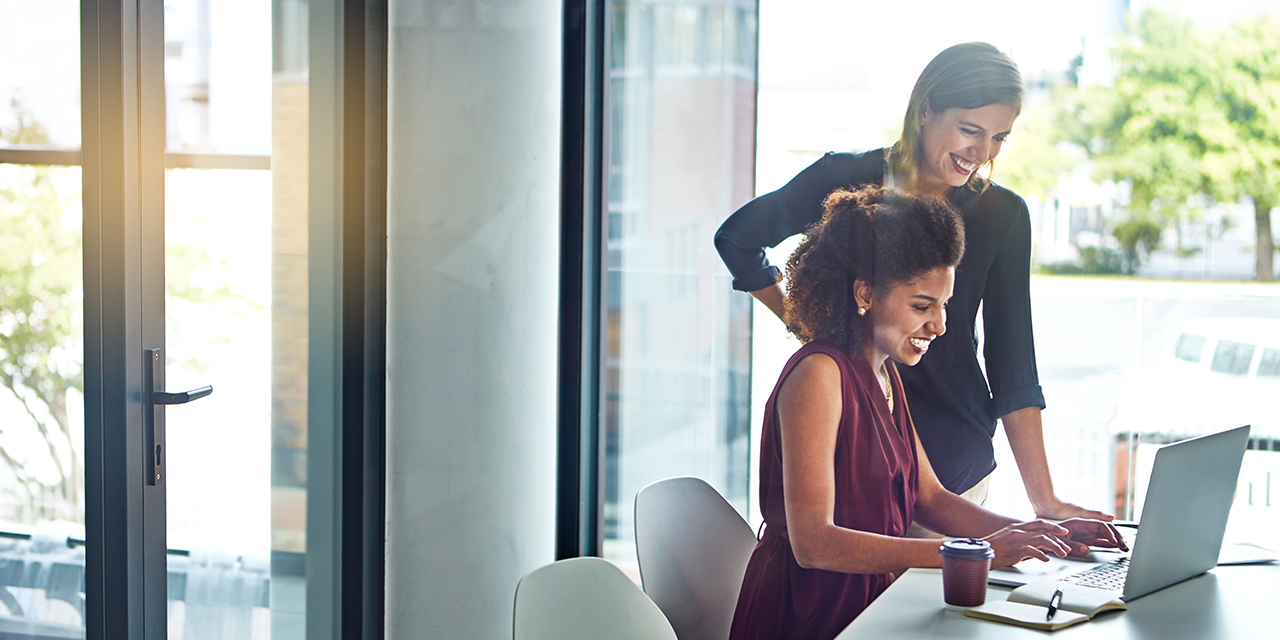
(122,158)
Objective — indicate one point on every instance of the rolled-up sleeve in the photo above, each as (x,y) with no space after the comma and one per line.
(1009,346)
(774,217)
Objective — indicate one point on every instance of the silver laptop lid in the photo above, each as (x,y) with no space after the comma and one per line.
(1192,486)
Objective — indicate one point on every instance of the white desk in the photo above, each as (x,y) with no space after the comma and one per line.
(1240,601)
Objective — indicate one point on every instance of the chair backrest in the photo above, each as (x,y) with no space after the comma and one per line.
(585,599)
(693,549)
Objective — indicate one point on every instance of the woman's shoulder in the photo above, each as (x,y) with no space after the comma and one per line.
(818,358)
(837,170)
(815,358)
(861,167)
(810,375)
(818,346)
(1002,200)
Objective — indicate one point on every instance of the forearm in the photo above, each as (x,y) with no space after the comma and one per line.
(946,512)
(772,297)
(1025,432)
(952,515)
(833,548)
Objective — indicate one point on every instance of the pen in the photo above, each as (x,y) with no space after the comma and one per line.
(1053,604)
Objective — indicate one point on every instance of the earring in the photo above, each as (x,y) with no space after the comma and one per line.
(862,311)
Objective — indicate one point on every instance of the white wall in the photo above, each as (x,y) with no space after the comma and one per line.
(472,297)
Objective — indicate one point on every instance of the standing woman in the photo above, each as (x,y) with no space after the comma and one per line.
(962,108)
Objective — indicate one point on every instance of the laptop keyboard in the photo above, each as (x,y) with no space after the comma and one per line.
(1108,576)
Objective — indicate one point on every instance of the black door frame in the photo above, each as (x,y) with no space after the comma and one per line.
(583,230)
(122,104)
(122,113)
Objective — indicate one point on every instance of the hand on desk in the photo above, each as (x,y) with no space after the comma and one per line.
(1059,510)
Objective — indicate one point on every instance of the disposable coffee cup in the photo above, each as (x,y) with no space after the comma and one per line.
(965,563)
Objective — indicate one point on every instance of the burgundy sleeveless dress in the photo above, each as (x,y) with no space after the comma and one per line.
(876,487)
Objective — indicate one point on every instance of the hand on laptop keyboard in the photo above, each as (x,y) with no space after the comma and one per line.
(1036,539)
(1091,533)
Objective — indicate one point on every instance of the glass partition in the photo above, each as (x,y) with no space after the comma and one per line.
(1153,306)
(236,304)
(680,134)
(42,500)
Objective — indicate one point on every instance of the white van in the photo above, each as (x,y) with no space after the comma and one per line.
(1217,374)
(1240,347)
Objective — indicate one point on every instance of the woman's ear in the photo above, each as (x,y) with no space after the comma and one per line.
(863,295)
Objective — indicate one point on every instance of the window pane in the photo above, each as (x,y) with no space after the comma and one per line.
(40,75)
(1105,345)
(218,308)
(1232,357)
(1189,348)
(236,307)
(41,323)
(217,72)
(677,370)
(678,36)
(1270,365)
(41,404)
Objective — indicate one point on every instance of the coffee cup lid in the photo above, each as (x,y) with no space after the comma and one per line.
(966,549)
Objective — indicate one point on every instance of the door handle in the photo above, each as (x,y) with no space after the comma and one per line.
(153,401)
(183,397)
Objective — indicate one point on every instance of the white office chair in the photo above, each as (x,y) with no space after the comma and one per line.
(693,550)
(585,599)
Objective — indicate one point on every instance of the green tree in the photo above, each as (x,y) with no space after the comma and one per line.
(40,326)
(41,321)
(1243,156)
(1138,237)
(1190,115)
(1032,162)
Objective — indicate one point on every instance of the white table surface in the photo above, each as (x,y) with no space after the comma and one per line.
(1236,601)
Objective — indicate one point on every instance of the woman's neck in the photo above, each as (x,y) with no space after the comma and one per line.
(935,189)
(875,357)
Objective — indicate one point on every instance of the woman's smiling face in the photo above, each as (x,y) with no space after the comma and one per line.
(956,142)
(906,319)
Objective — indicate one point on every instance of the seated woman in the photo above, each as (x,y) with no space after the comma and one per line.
(842,474)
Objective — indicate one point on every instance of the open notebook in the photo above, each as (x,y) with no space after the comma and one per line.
(1028,606)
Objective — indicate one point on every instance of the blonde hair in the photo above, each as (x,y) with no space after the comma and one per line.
(965,76)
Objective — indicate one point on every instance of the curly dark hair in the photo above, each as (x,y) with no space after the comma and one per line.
(881,236)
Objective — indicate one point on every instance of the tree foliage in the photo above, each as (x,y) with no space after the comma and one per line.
(40,328)
(1093,261)
(41,324)
(1032,162)
(1137,237)
(1244,156)
(1189,115)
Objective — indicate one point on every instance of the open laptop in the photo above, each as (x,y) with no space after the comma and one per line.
(1183,521)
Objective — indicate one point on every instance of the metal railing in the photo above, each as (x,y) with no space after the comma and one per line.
(71,158)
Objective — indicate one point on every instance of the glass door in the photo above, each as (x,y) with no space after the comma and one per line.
(208,265)
(42,470)
(235,259)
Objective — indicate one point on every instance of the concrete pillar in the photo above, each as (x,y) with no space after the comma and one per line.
(472,286)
